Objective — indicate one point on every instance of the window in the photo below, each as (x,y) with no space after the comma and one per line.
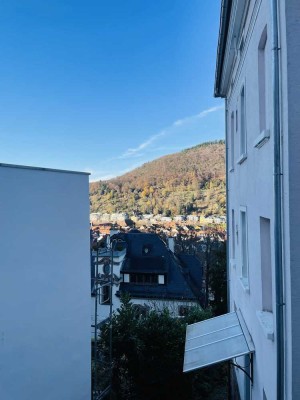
(243,137)
(105,294)
(264,133)
(244,247)
(262,80)
(266,265)
(232,132)
(147,249)
(144,279)
(232,235)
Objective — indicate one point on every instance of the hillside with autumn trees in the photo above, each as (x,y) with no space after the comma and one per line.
(189,182)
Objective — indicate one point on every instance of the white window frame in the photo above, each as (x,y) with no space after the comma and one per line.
(264,132)
(265,315)
(232,137)
(242,124)
(233,239)
(244,251)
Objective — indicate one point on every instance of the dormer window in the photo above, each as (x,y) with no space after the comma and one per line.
(147,249)
(144,279)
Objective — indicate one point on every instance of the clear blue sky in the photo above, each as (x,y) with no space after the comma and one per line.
(104,86)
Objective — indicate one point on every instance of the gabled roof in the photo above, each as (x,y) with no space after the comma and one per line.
(183,280)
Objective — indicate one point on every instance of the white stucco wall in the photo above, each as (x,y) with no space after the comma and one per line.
(44,285)
(250,187)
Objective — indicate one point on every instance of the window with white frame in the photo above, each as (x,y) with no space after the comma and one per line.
(264,132)
(266,264)
(232,235)
(262,80)
(243,135)
(244,246)
(232,132)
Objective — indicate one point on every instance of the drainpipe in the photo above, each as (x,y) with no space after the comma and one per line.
(278,241)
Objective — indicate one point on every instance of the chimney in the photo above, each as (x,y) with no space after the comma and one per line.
(171,244)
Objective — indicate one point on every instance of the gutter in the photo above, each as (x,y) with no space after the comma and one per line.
(278,194)
(224,25)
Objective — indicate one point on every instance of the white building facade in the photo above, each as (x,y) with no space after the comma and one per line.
(257,73)
(44,284)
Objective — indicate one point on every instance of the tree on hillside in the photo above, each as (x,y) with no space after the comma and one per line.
(168,185)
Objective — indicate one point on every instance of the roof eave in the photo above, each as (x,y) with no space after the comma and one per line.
(223,31)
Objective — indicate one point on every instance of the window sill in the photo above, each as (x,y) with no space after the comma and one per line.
(265,319)
(245,285)
(242,158)
(262,138)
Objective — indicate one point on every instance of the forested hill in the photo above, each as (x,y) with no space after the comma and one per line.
(191,181)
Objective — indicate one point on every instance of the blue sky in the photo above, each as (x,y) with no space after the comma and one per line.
(105,86)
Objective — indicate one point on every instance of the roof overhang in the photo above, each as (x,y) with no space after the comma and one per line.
(216,340)
(231,19)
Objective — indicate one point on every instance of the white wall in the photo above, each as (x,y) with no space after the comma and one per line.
(44,285)
(250,187)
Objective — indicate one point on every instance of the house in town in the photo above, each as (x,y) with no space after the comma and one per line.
(258,63)
(44,284)
(145,268)
(151,273)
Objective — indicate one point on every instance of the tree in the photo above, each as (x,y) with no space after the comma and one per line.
(211,251)
(148,356)
(218,281)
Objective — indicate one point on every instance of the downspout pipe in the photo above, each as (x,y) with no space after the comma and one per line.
(278,240)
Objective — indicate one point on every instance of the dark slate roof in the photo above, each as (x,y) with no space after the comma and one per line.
(183,278)
(193,272)
(136,241)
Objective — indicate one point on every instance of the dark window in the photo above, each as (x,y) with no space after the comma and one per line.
(147,249)
(144,279)
(105,294)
